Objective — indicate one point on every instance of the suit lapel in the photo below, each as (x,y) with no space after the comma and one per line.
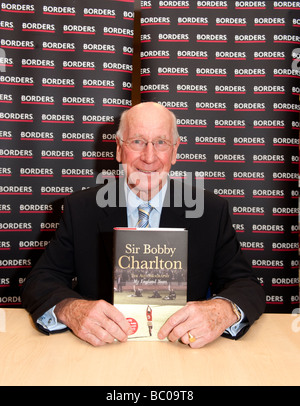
(114,214)
(171,215)
(114,217)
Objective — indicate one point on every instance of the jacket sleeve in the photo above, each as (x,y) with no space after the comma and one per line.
(233,277)
(50,281)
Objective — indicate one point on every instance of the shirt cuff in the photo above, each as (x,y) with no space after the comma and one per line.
(49,321)
(239,325)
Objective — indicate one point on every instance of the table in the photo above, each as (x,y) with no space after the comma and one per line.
(269,354)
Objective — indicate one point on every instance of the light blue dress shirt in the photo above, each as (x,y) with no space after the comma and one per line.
(133,202)
(49,320)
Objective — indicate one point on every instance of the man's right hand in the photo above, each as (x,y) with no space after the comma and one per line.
(96,322)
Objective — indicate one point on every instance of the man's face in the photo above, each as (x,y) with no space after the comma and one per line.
(147,170)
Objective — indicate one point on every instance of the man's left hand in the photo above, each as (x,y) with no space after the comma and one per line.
(205,321)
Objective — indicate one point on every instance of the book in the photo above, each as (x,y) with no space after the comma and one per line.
(150,277)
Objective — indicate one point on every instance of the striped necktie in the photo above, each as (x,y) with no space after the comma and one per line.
(144,213)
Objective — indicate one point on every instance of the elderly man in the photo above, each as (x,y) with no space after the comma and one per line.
(147,143)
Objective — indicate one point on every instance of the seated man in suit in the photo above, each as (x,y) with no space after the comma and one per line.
(147,143)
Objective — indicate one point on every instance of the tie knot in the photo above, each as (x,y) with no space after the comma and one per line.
(144,213)
(146,207)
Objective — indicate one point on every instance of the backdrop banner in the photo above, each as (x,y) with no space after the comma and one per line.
(230,72)
(65,77)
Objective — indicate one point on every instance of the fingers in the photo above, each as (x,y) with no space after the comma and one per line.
(180,322)
(98,322)
(108,323)
(176,326)
(195,338)
(201,319)
(192,339)
(95,338)
(95,334)
(115,322)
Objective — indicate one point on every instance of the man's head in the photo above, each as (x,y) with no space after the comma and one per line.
(147,143)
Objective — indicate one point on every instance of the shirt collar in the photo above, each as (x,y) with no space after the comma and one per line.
(133,201)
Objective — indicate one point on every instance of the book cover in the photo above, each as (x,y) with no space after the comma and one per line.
(150,277)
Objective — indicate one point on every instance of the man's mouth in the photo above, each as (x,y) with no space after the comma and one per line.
(145,171)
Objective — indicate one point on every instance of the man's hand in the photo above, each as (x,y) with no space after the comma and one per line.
(97,322)
(205,320)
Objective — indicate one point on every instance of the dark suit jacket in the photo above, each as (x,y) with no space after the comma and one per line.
(83,248)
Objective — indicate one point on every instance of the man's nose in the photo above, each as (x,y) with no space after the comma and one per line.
(149,153)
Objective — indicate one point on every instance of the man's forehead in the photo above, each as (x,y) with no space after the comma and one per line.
(144,130)
(149,110)
(147,121)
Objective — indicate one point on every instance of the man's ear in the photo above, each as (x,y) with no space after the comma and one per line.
(174,152)
(119,150)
